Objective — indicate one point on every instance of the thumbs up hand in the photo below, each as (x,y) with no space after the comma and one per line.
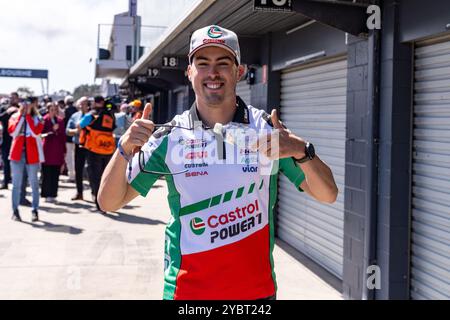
(139,132)
(281,142)
(276,120)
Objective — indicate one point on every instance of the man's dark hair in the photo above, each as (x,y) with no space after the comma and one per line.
(31,99)
(99,99)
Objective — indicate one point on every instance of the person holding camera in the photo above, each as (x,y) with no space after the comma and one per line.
(26,153)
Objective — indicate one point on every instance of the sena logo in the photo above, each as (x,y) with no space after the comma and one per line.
(197,155)
(249,169)
(196,174)
(198,227)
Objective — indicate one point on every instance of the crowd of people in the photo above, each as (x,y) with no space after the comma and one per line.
(41,140)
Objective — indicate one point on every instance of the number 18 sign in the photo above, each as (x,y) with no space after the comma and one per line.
(170,62)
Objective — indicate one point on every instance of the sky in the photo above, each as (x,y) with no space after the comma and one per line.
(60,36)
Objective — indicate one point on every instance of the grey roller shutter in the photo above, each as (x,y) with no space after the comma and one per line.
(430,234)
(180,102)
(313,106)
(243,91)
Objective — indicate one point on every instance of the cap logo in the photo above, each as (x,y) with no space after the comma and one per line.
(215,32)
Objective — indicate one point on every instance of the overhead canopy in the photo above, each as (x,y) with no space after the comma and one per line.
(240,16)
(236,15)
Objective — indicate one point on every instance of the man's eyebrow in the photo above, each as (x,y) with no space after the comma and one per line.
(218,59)
(225,58)
(201,58)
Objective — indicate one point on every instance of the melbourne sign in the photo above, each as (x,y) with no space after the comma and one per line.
(24,73)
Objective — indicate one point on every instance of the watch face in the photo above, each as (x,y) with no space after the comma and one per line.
(311,151)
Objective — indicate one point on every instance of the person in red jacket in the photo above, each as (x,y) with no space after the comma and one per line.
(26,153)
(54,152)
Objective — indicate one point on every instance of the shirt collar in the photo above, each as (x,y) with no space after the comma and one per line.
(241,114)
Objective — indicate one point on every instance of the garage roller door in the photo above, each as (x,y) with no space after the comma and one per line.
(430,234)
(313,106)
(180,102)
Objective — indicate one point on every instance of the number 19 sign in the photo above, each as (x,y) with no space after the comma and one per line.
(272,5)
(153,72)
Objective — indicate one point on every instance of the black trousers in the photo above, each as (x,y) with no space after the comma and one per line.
(96,165)
(6,164)
(50,181)
(80,160)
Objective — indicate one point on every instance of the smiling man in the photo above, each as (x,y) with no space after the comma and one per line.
(220,239)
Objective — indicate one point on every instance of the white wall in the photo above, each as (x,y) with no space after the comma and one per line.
(122,36)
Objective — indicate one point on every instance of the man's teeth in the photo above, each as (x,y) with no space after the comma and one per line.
(213,86)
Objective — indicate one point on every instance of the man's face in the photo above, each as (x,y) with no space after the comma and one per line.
(84,106)
(214,75)
(53,111)
(98,105)
(14,99)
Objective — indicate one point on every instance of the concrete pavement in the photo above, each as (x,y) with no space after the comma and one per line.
(76,253)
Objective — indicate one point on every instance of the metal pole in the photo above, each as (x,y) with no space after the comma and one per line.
(370,234)
(42,86)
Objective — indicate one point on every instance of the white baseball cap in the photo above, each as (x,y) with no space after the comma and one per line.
(68,99)
(215,36)
(81,100)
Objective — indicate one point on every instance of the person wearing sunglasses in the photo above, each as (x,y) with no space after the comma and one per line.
(221,161)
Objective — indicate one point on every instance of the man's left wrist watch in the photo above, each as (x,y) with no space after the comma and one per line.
(310,153)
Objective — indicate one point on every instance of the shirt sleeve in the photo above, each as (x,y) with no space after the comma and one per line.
(151,158)
(70,124)
(12,125)
(292,171)
(86,120)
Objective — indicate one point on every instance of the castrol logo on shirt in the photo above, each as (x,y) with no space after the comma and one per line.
(213,229)
(235,222)
(197,226)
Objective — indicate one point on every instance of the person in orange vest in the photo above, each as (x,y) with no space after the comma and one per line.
(99,125)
